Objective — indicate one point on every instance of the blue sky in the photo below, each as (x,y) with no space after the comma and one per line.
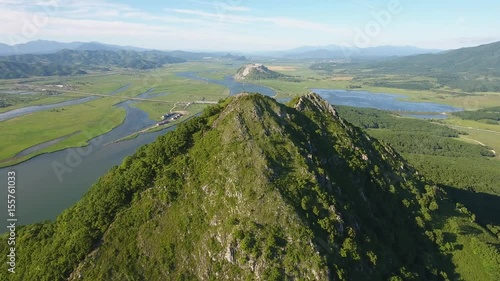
(247,25)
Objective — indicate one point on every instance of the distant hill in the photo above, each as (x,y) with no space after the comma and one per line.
(474,69)
(256,71)
(67,62)
(13,70)
(234,57)
(44,47)
(484,59)
(39,47)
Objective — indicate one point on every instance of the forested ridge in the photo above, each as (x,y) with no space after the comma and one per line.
(70,62)
(473,69)
(257,190)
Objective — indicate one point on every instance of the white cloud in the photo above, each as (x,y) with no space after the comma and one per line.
(231,8)
(100,20)
(222,17)
(307,25)
(160,36)
(219,5)
(278,21)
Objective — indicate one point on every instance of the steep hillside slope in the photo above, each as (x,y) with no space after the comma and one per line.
(251,190)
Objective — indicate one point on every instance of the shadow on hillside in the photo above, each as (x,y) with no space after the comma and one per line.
(362,202)
(469,230)
(485,206)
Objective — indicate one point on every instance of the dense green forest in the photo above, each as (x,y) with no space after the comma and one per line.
(13,70)
(368,118)
(258,190)
(409,135)
(69,62)
(489,115)
(422,139)
(464,170)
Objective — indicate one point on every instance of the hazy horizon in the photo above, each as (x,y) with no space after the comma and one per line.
(227,50)
(252,26)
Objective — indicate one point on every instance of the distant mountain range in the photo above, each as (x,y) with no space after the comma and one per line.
(305,52)
(47,58)
(120,58)
(47,47)
(342,52)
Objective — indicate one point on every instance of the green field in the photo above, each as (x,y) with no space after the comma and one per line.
(477,132)
(90,119)
(37,100)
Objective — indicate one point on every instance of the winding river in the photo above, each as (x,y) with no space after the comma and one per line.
(36,108)
(51,182)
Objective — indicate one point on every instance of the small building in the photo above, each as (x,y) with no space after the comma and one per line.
(166,116)
(169,118)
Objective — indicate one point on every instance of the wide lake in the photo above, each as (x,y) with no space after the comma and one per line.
(43,191)
(381,101)
(234,86)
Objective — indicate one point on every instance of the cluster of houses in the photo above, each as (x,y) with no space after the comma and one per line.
(167,118)
(44,88)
